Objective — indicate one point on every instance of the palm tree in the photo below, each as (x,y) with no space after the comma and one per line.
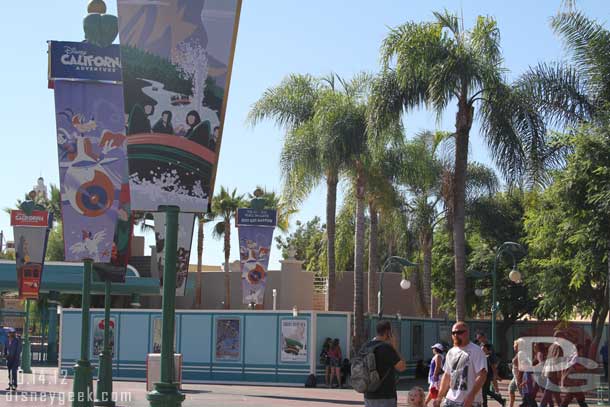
(438,63)
(304,161)
(571,92)
(382,198)
(342,122)
(225,205)
(202,219)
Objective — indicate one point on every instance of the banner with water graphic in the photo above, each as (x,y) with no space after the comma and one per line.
(255,230)
(176,57)
(92,167)
(186,223)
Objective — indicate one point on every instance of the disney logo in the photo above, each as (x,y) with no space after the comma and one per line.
(74,51)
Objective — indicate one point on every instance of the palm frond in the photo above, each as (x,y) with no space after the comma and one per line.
(288,104)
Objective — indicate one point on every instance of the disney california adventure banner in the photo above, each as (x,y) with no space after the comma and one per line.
(176,59)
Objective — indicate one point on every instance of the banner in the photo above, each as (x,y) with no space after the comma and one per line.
(186,222)
(293,340)
(31,232)
(176,59)
(92,167)
(228,339)
(255,230)
(98,335)
(83,61)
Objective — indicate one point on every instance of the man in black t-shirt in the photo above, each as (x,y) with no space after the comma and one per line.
(387,360)
(492,370)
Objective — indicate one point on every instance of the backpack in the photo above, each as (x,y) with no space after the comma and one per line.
(364,375)
(311,381)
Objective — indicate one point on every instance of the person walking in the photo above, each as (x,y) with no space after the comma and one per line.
(434,374)
(12,352)
(465,371)
(492,374)
(513,386)
(335,356)
(387,361)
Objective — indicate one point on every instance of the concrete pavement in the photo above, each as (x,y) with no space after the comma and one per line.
(45,388)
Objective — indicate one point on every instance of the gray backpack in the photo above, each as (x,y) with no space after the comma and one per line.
(364,375)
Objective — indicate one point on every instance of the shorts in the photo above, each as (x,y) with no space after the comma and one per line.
(380,402)
(449,403)
(512,387)
(335,363)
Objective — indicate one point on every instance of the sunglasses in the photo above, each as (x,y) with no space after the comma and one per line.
(461,331)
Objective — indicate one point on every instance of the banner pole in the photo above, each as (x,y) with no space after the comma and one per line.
(26,351)
(166,393)
(83,378)
(104,381)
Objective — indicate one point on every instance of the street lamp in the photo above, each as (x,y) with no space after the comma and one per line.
(514,276)
(404,284)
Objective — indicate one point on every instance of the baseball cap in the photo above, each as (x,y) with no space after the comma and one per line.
(438,347)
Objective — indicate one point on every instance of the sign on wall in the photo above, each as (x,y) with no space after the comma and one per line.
(228,339)
(98,335)
(176,57)
(293,340)
(31,232)
(255,230)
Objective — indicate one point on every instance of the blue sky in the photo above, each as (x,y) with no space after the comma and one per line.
(276,38)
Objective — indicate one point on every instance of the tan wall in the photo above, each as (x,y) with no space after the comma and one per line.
(293,288)
(395,299)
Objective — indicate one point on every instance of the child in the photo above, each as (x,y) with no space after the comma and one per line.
(434,375)
(415,397)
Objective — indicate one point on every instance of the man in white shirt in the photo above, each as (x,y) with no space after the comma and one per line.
(465,371)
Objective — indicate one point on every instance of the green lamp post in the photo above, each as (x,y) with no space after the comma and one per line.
(83,377)
(26,350)
(103,395)
(165,392)
(404,284)
(514,276)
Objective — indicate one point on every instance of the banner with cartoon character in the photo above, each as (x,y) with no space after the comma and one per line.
(255,230)
(186,222)
(92,167)
(176,60)
(31,232)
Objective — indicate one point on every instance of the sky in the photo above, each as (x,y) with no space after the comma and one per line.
(275,38)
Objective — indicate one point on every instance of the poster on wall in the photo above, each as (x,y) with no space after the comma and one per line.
(186,222)
(31,232)
(293,340)
(98,335)
(157,328)
(228,339)
(176,57)
(255,230)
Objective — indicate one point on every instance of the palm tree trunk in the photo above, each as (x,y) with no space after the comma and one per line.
(427,279)
(227,269)
(358,261)
(199,260)
(331,208)
(373,259)
(463,124)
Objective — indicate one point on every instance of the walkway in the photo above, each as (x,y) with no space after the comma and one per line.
(45,388)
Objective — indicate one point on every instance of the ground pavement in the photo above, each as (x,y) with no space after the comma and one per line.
(45,388)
